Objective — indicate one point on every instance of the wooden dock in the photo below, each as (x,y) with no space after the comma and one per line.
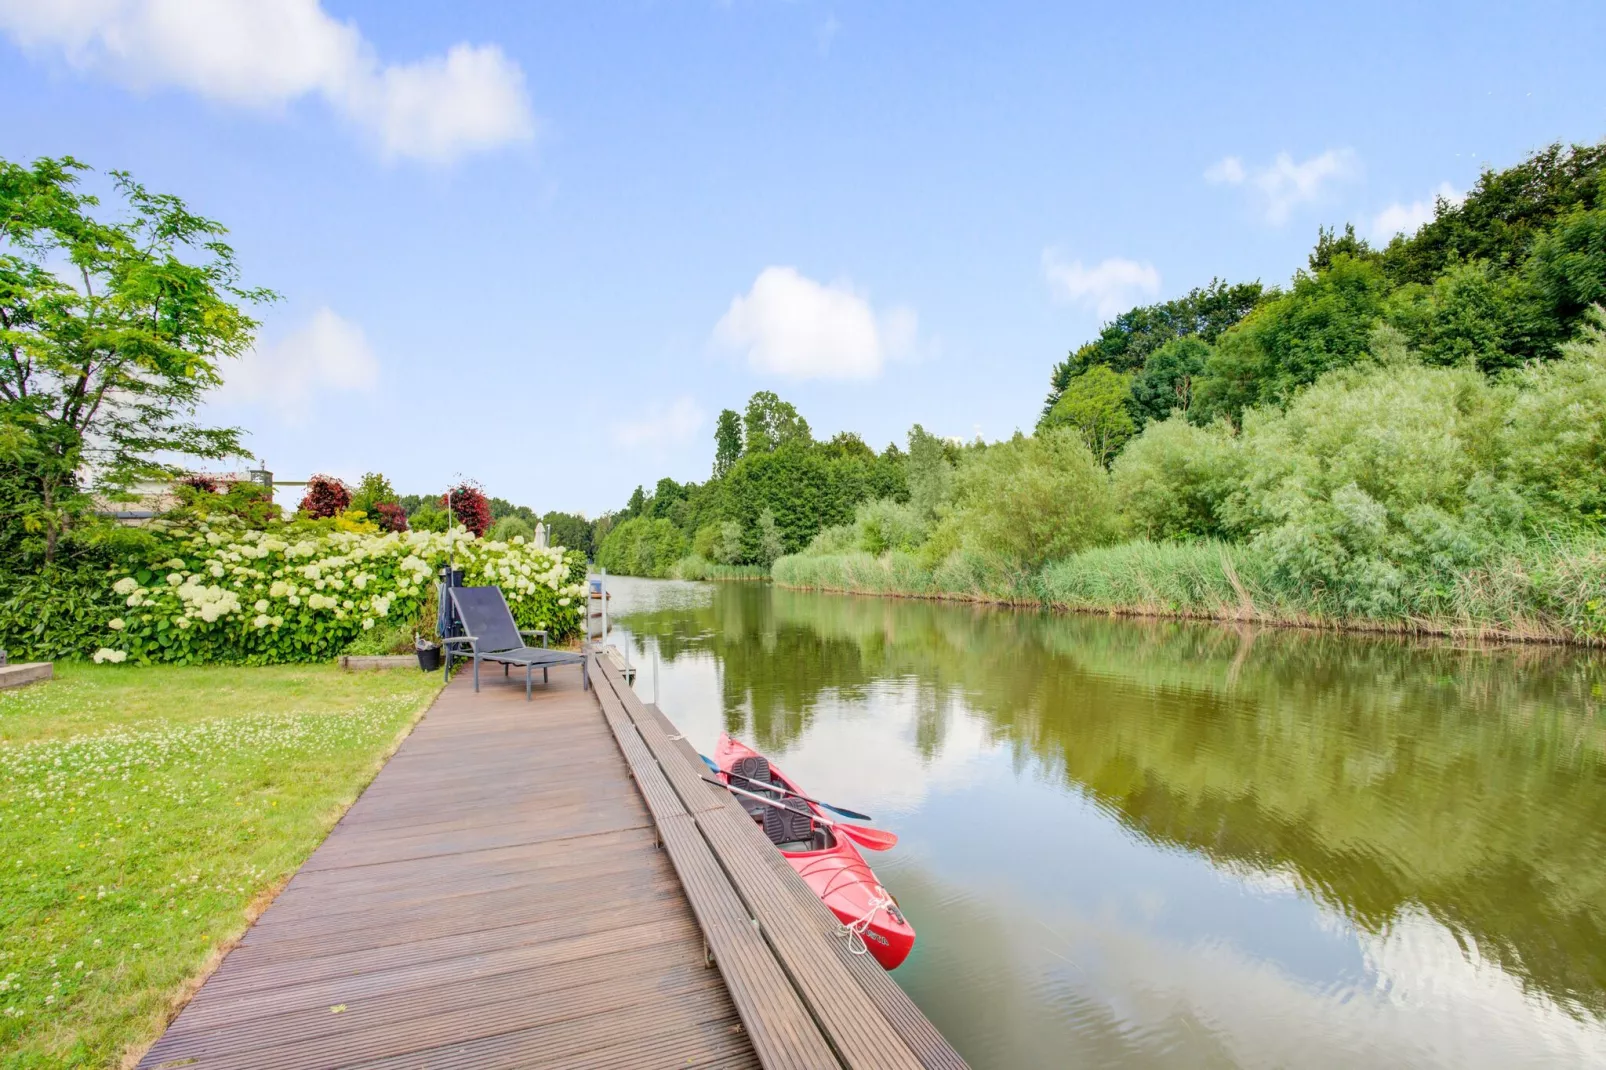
(546,884)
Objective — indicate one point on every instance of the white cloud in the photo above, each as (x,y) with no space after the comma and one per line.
(1109,287)
(1283,184)
(266,54)
(1228,169)
(792,326)
(662,426)
(328,354)
(1399,217)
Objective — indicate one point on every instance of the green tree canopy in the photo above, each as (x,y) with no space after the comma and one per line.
(727,441)
(1165,385)
(373,489)
(110,334)
(1094,406)
(1324,322)
(1503,215)
(1126,341)
(771,423)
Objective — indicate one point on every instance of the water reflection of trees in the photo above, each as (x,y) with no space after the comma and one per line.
(1379,772)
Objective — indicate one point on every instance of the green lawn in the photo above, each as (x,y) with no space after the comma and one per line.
(142,811)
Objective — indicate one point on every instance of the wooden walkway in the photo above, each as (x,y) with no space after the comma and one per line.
(545,884)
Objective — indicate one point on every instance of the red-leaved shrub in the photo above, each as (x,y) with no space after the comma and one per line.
(390,516)
(197,481)
(471,507)
(326,496)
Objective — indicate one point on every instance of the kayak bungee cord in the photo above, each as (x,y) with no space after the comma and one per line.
(855,931)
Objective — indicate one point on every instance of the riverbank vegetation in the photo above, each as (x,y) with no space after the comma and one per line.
(1411,437)
(144,812)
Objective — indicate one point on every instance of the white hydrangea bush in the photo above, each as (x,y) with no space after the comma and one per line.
(238,595)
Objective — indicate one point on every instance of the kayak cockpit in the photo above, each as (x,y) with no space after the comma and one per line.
(792,829)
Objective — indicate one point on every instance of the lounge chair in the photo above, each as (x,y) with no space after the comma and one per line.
(494,636)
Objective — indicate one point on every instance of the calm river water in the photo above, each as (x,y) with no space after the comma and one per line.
(1147,844)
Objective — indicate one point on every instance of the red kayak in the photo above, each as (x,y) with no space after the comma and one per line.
(829,864)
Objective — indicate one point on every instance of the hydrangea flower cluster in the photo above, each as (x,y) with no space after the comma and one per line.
(232,594)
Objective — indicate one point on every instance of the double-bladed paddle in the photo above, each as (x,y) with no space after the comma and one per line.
(875,839)
(844,811)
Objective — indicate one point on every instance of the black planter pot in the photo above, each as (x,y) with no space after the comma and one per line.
(429,658)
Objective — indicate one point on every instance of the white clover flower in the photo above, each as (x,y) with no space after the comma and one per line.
(126,585)
(115,624)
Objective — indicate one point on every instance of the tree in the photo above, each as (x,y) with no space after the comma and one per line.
(469,506)
(371,490)
(1330,244)
(728,547)
(1567,268)
(1028,501)
(389,516)
(727,441)
(510,527)
(1094,405)
(637,504)
(771,423)
(569,530)
(1126,341)
(1324,322)
(1503,215)
(1165,385)
(326,497)
(110,335)
(771,544)
(930,473)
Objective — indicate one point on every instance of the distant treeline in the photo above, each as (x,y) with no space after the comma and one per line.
(1407,437)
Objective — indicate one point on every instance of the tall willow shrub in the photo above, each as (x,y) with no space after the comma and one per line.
(1030,500)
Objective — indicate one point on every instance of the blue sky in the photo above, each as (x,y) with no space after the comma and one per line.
(542,245)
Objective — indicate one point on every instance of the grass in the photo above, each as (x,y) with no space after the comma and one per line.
(145,814)
(695,567)
(1539,590)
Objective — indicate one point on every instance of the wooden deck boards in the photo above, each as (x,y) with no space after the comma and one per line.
(540,885)
(495,898)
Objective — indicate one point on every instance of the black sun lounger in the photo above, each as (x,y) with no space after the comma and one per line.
(494,636)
